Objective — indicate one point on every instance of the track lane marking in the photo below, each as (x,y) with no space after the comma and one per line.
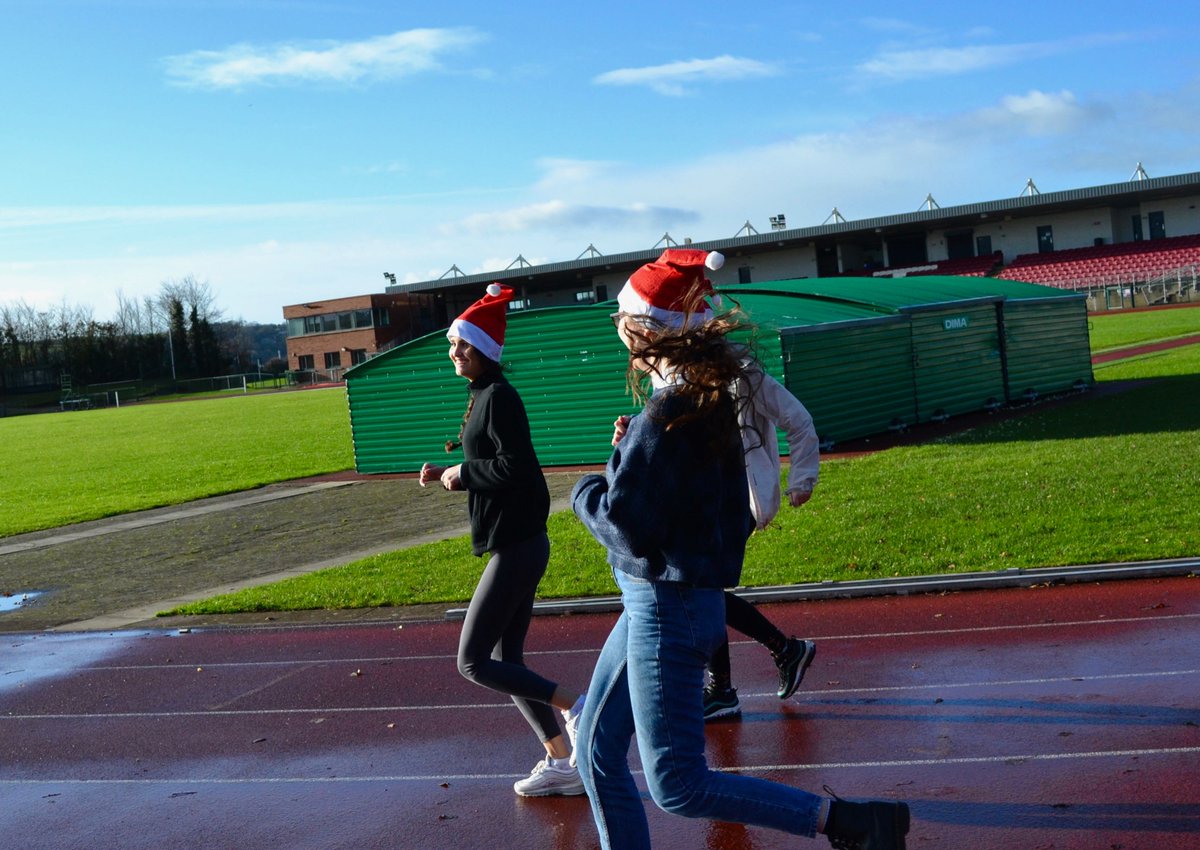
(814,694)
(762,768)
(184,665)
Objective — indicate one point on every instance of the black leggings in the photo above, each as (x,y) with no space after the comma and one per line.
(491,646)
(741,615)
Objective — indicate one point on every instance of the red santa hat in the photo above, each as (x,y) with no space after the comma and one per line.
(482,324)
(672,289)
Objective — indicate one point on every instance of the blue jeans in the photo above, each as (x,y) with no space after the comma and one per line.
(649,682)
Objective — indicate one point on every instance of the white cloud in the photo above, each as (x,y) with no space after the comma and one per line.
(1039,114)
(942,61)
(562,172)
(672,78)
(897,65)
(383,57)
(557,214)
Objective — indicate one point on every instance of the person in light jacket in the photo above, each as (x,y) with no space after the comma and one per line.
(764,406)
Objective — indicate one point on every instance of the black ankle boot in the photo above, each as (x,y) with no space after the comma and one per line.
(872,825)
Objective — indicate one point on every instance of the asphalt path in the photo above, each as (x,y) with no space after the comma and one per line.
(121,572)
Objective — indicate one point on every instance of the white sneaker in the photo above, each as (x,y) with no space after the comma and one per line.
(571,721)
(549,780)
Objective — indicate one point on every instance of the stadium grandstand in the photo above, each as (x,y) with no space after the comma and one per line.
(1107,265)
(1137,237)
(1131,243)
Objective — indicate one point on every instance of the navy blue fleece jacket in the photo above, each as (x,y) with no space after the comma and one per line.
(666,508)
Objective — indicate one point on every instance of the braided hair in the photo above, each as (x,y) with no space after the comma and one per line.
(491,371)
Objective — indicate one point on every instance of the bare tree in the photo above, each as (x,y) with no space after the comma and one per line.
(147,338)
(193,294)
(130,319)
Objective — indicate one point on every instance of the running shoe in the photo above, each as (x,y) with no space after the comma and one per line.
(871,825)
(720,702)
(792,661)
(547,780)
(571,722)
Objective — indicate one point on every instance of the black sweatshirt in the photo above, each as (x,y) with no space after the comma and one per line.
(507,497)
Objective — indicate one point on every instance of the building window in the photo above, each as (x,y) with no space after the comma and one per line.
(743,274)
(358,355)
(306,362)
(333,359)
(1045,237)
(518,304)
(336,322)
(585,297)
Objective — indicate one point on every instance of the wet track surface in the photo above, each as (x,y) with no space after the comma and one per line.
(1048,717)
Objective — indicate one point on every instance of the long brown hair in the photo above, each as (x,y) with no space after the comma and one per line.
(704,365)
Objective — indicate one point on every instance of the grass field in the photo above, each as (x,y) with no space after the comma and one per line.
(91,464)
(1120,330)
(1108,477)
(95,463)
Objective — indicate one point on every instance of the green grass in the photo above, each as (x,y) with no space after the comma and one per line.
(1158,364)
(1119,330)
(96,463)
(1108,477)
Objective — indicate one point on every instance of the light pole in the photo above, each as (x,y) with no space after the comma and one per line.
(171,351)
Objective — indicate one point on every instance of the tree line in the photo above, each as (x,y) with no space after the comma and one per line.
(172,335)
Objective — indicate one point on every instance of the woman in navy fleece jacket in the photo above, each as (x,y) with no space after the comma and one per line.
(673,511)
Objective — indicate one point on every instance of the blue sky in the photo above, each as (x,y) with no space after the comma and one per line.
(285,151)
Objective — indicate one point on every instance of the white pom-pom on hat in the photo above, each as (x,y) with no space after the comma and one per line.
(493,289)
(714,260)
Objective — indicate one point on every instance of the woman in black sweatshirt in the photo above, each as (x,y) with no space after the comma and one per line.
(507,502)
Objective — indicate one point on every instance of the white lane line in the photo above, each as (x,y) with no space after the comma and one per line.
(763,768)
(997,683)
(184,665)
(1013,759)
(804,698)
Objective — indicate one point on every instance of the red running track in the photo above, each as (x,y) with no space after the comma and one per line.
(1052,717)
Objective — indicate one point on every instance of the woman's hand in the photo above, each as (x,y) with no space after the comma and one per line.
(448,475)
(619,428)
(450,478)
(429,472)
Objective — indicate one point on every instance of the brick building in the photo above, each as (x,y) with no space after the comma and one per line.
(325,338)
